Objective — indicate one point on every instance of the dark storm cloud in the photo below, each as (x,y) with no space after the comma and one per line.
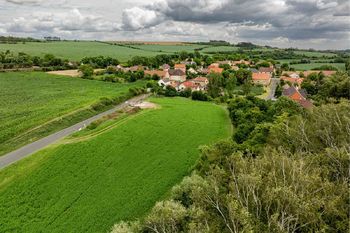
(294,19)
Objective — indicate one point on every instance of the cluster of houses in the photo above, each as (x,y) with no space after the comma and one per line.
(177,77)
(292,87)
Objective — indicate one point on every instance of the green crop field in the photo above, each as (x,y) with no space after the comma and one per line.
(90,185)
(169,48)
(75,51)
(315,54)
(340,66)
(29,100)
(219,49)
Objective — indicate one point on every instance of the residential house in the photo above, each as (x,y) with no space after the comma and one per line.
(192,71)
(262,78)
(298,95)
(177,75)
(292,80)
(160,73)
(188,84)
(164,82)
(166,67)
(201,81)
(242,62)
(137,68)
(214,68)
(269,70)
(253,70)
(180,67)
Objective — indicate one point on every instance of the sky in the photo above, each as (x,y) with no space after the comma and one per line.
(319,24)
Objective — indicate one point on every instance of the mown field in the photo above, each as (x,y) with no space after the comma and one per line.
(88,186)
(29,100)
(339,66)
(75,51)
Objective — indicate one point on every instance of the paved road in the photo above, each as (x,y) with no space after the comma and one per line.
(273,86)
(29,149)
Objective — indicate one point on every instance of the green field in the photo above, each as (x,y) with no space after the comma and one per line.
(77,50)
(169,48)
(315,54)
(29,100)
(217,49)
(90,185)
(339,66)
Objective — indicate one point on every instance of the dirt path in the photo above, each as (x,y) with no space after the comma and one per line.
(31,148)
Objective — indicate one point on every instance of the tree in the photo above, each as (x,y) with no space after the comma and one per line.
(215,84)
(231,83)
(243,75)
(170,91)
(86,70)
(247,87)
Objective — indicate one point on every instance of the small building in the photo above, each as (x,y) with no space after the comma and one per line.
(298,95)
(177,75)
(214,68)
(160,73)
(180,67)
(269,70)
(292,80)
(262,78)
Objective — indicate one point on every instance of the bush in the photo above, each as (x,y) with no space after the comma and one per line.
(199,95)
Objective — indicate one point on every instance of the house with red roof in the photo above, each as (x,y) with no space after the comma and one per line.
(293,81)
(214,68)
(180,67)
(298,95)
(269,70)
(261,78)
(160,73)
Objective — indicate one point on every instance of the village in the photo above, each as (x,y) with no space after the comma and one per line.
(187,75)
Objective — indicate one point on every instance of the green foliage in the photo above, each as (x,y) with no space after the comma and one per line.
(199,95)
(115,173)
(87,71)
(298,183)
(170,91)
(323,88)
(100,61)
(216,82)
(253,117)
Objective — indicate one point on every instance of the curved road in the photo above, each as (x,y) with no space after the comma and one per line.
(31,148)
(273,86)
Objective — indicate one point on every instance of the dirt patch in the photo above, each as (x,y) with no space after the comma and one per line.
(70,73)
(146,105)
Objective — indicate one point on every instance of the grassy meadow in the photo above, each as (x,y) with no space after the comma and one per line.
(90,184)
(339,66)
(29,100)
(75,51)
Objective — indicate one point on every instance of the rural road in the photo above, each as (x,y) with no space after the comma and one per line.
(29,149)
(273,86)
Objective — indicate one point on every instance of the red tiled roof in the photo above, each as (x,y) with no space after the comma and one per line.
(180,66)
(261,76)
(299,81)
(160,73)
(266,69)
(189,84)
(215,70)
